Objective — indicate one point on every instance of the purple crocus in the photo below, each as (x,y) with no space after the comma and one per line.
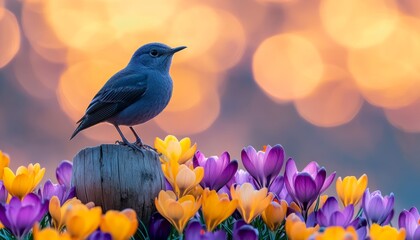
(50,189)
(194,231)
(64,172)
(331,215)
(410,221)
(19,216)
(378,209)
(241,230)
(306,186)
(217,170)
(98,235)
(265,166)
(241,176)
(159,227)
(3,193)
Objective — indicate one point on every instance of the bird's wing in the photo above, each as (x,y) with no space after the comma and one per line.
(113,98)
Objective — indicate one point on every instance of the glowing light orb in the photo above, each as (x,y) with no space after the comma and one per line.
(287,67)
(405,118)
(388,72)
(359,23)
(335,102)
(9,37)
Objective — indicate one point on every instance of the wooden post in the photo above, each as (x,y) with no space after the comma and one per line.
(117,177)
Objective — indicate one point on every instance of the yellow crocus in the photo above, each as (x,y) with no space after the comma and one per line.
(216,208)
(338,233)
(4,162)
(296,229)
(182,178)
(24,181)
(81,221)
(378,232)
(58,212)
(274,214)
(177,212)
(171,148)
(350,190)
(251,202)
(121,225)
(49,233)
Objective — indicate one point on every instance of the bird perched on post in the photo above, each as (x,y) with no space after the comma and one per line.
(135,94)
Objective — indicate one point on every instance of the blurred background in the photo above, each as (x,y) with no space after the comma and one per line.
(337,82)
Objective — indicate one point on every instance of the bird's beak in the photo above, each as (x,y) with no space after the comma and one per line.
(177,49)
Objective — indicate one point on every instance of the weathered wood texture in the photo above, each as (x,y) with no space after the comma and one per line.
(117,177)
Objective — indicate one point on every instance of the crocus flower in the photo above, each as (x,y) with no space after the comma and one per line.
(337,233)
(50,189)
(265,166)
(306,186)
(182,178)
(331,215)
(121,225)
(378,232)
(4,195)
(49,233)
(24,181)
(171,148)
(81,221)
(251,202)
(20,215)
(63,173)
(98,235)
(217,170)
(410,221)
(296,229)
(177,212)
(350,190)
(242,230)
(195,231)
(241,176)
(274,214)
(4,162)
(378,209)
(58,211)
(159,227)
(216,208)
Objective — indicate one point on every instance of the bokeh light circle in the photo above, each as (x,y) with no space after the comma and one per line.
(405,118)
(82,25)
(388,73)
(197,27)
(333,103)
(2,8)
(139,15)
(187,90)
(287,66)
(229,47)
(79,83)
(9,37)
(359,23)
(200,96)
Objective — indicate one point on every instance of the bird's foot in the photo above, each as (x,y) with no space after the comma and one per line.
(138,145)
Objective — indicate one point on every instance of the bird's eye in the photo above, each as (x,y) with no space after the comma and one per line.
(154,53)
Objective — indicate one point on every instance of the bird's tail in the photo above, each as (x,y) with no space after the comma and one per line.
(79,128)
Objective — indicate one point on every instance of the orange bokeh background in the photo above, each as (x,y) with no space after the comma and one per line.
(336,82)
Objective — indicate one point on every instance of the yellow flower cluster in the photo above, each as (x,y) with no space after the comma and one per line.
(80,221)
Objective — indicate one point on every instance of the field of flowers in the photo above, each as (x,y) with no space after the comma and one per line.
(207,198)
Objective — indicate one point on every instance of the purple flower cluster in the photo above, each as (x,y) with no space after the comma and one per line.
(63,190)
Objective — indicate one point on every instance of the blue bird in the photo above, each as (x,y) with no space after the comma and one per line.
(135,94)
